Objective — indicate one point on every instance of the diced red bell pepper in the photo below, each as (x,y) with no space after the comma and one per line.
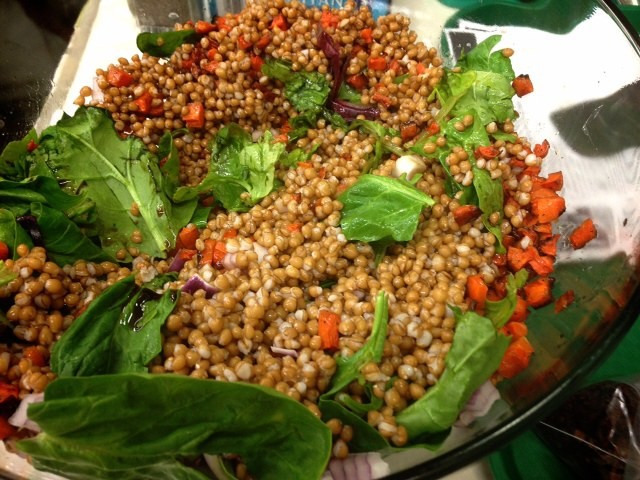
(194,118)
(279,22)
(118,77)
(377,63)
(328,322)
(202,27)
(523,85)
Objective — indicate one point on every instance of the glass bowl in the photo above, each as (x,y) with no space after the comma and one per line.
(584,61)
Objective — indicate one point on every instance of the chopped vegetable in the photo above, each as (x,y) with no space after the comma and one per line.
(180,258)
(194,118)
(6,429)
(8,391)
(538,292)
(187,237)
(377,63)
(213,253)
(516,358)
(4,251)
(328,329)
(279,22)
(367,35)
(408,166)
(329,19)
(477,289)
(564,300)
(466,214)
(195,283)
(35,355)
(523,85)
(583,234)
(547,205)
(117,77)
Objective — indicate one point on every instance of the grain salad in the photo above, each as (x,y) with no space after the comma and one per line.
(334,204)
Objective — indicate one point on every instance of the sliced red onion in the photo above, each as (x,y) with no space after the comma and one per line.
(196,283)
(357,466)
(97,95)
(229,261)
(284,352)
(260,251)
(19,418)
(350,111)
(479,404)
(332,52)
(178,262)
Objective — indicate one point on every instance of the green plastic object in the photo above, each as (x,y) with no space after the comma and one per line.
(632,13)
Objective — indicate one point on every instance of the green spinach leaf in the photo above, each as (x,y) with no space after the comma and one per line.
(476,352)
(480,85)
(349,368)
(64,240)
(11,233)
(163,44)
(377,208)
(86,153)
(119,332)
(308,92)
(241,172)
(133,420)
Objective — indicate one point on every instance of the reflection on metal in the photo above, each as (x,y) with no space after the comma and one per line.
(602,126)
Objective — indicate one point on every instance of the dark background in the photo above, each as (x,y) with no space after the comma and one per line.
(33,36)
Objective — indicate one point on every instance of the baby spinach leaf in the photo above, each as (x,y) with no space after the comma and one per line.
(241,172)
(376,208)
(11,233)
(305,90)
(119,332)
(6,274)
(480,85)
(163,44)
(127,422)
(86,153)
(349,368)
(308,92)
(366,438)
(73,462)
(64,240)
(476,352)
(14,164)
